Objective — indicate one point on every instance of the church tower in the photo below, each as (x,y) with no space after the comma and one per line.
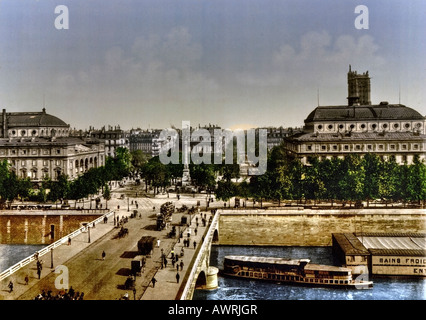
(358,88)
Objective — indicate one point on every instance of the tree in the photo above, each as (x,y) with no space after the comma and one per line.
(261,187)
(313,182)
(417,180)
(225,190)
(60,188)
(388,179)
(371,164)
(8,183)
(297,179)
(138,159)
(351,182)
(330,172)
(279,163)
(156,174)
(203,175)
(107,194)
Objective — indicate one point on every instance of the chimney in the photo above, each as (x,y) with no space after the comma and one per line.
(4,127)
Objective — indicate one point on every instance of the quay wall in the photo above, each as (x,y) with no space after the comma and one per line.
(32,227)
(307,227)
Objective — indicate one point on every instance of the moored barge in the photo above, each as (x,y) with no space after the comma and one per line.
(294,271)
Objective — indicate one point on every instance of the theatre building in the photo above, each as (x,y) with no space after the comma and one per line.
(39,145)
(360,127)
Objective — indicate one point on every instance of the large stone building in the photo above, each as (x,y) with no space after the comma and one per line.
(113,137)
(145,140)
(39,145)
(361,127)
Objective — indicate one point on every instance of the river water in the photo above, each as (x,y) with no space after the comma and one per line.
(13,253)
(239,289)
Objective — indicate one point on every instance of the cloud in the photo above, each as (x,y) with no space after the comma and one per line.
(156,68)
(316,58)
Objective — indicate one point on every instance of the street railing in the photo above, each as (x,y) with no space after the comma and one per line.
(47,249)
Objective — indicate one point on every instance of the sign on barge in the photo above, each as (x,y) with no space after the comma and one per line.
(294,271)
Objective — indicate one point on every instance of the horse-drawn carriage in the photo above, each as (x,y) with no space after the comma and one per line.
(137,265)
(123,232)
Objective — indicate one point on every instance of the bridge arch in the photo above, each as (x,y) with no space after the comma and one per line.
(215,236)
(201,280)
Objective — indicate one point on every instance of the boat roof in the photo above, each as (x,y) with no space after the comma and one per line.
(272,260)
(287,261)
(323,267)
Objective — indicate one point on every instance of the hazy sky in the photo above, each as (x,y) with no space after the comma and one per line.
(155,63)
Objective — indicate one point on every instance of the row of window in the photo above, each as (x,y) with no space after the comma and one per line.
(363,147)
(35,133)
(33,172)
(371,126)
(278,277)
(23,152)
(78,163)
(33,163)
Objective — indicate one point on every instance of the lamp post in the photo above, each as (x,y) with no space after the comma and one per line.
(88,228)
(51,258)
(128,200)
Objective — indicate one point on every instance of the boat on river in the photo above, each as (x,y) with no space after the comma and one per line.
(292,271)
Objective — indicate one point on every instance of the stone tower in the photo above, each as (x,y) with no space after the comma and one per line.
(358,88)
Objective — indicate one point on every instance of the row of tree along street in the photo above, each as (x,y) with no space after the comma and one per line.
(352,179)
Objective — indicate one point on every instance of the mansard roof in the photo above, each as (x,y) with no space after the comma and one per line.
(382,111)
(32,119)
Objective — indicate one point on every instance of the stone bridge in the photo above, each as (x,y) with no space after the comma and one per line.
(202,275)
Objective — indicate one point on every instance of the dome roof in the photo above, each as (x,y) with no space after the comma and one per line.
(382,111)
(33,119)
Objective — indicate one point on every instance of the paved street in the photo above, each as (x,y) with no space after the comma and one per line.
(104,279)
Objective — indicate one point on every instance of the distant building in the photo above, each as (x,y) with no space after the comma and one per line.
(388,130)
(39,145)
(276,136)
(113,137)
(144,140)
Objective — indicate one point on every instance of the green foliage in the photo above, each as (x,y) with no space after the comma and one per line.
(226,189)
(203,175)
(107,192)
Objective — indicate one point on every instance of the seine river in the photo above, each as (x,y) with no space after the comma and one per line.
(13,253)
(237,289)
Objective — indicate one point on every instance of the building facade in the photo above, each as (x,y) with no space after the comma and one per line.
(145,140)
(38,145)
(113,137)
(388,130)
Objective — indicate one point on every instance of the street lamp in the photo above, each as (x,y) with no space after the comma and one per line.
(88,228)
(128,200)
(51,258)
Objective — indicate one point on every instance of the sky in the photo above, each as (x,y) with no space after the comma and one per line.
(234,63)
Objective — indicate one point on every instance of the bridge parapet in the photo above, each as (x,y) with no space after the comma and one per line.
(201,272)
